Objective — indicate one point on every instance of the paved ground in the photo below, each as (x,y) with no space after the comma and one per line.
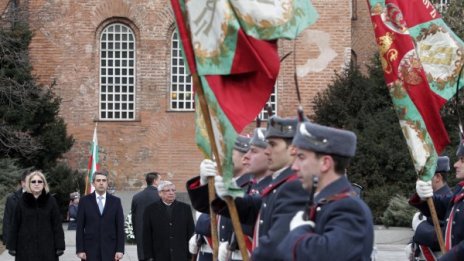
(390,245)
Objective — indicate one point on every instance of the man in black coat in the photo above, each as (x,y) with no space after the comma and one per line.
(100,223)
(140,202)
(10,205)
(167,227)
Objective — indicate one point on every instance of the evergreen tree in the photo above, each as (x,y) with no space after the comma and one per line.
(382,164)
(30,127)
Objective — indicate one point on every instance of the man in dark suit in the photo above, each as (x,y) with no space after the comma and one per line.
(140,202)
(167,227)
(100,223)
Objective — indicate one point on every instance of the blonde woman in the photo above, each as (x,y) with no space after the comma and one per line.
(36,232)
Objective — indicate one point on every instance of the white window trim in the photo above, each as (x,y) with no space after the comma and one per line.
(114,76)
(186,83)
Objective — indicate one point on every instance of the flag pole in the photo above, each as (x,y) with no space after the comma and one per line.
(436,224)
(211,192)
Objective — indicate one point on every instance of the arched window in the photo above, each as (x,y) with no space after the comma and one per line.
(117,73)
(181,91)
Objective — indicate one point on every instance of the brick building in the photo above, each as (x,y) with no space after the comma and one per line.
(116,63)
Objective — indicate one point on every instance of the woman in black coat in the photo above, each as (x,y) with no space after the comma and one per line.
(36,232)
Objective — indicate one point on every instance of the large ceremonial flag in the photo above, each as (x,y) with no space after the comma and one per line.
(421,58)
(94,163)
(231,46)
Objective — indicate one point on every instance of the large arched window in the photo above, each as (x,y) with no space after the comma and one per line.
(181,91)
(117,73)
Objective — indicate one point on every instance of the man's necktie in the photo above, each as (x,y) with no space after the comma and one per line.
(100,204)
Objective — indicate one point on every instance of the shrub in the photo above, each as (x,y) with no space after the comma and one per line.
(63,181)
(398,213)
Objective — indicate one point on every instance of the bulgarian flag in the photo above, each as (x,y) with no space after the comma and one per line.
(94,163)
(232,47)
(421,58)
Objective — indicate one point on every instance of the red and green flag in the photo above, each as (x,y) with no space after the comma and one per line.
(94,163)
(231,46)
(421,58)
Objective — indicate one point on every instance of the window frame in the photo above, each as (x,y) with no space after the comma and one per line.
(182,96)
(117,74)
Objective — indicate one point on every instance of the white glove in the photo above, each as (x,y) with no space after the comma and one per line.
(417,219)
(424,189)
(408,251)
(297,221)
(193,247)
(207,169)
(222,251)
(220,188)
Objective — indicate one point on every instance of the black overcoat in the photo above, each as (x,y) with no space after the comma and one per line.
(36,231)
(167,239)
(140,202)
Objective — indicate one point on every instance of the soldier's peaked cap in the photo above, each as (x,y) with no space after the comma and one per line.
(323,139)
(281,127)
(442,165)
(259,138)
(242,143)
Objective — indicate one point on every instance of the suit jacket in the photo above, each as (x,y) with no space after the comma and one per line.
(343,228)
(140,202)
(100,234)
(164,238)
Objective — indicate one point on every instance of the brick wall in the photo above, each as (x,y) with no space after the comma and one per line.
(65,50)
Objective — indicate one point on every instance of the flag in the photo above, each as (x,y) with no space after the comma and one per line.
(94,163)
(231,46)
(421,58)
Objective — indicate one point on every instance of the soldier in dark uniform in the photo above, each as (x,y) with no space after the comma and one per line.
(256,163)
(448,208)
(339,224)
(267,211)
(425,242)
(201,241)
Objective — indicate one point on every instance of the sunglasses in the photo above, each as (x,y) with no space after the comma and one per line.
(36,181)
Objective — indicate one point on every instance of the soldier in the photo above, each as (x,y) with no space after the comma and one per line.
(256,163)
(200,243)
(339,224)
(425,242)
(270,212)
(448,208)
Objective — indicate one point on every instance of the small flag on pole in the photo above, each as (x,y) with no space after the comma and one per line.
(94,163)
